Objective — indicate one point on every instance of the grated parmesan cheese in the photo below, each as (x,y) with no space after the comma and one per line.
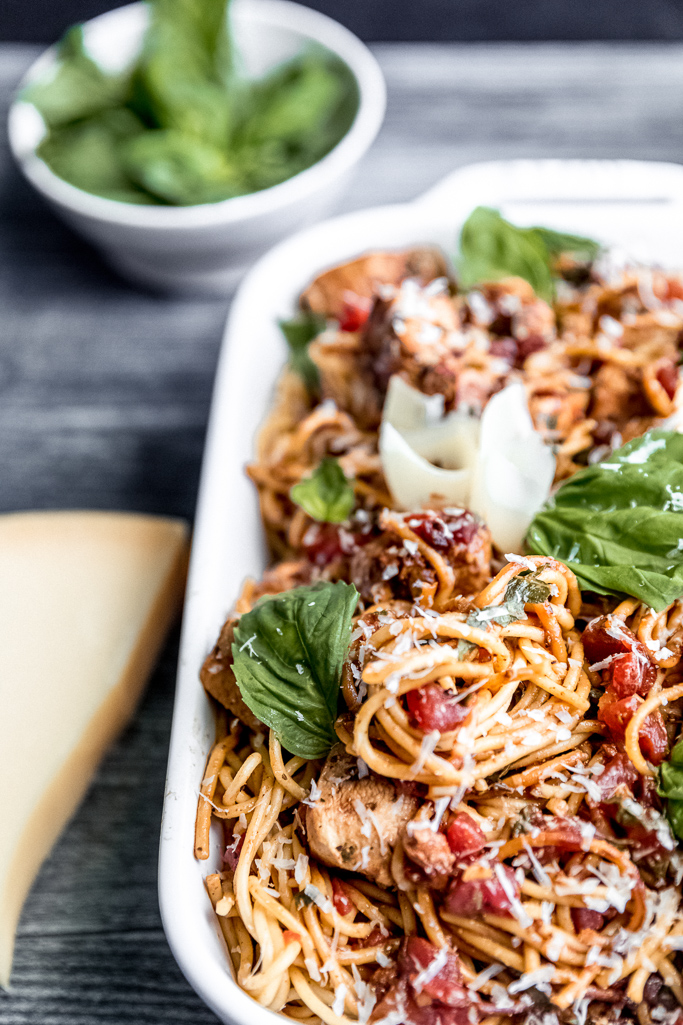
(427,748)
(312,968)
(509,891)
(521,561)
(366,996)
(431,971)
(484,976)
(301,868)
(339,995)
(538,979)
(314,795)
(318,898)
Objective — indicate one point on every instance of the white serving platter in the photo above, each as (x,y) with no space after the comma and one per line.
(634,204)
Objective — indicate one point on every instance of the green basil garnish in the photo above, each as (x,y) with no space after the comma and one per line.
(78,88)
(327,496)
(300,332)
(619,524)
(558,242)
(671,787)
(524,589)
(187,128)
(491,248)
(288,656)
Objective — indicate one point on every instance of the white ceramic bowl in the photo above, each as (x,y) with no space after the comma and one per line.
(205,248)
(634,204)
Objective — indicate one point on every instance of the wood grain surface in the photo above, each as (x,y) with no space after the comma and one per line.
(104,398)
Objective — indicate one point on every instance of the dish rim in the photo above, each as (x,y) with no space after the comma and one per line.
(604,181)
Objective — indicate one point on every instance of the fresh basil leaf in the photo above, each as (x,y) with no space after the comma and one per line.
(671,781)
(671,775)
(181,169)
(302,899)
(183,73)
(504,614)
(671,787)
(288,657)
(526,589)
(327,495)
(300,332)
(558,242)
(294,116)
(78,89)
(88,154)
(674,813)
(677,755)
(206,133)
(491,248)
(618,524)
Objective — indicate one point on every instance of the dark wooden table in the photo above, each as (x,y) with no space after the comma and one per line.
(104,398)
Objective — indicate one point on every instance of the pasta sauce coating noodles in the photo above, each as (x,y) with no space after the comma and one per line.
(484,843)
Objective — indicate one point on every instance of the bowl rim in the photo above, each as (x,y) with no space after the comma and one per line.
(226,497)
(284,14)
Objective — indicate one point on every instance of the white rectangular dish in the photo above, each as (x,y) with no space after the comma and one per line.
(637,206)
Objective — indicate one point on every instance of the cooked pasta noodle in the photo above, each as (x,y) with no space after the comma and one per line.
(484,843)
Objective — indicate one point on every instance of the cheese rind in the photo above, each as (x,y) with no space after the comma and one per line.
(86,600)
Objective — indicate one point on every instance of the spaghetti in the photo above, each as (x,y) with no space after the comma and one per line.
(484,844)
(510,857)
(599,368)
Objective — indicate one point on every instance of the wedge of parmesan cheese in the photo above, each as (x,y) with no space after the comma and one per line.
(86,600)
(497,466)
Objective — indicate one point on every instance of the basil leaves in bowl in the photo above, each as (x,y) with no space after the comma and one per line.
(184,144)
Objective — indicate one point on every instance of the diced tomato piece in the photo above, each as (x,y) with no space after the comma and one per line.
(482,896)
(667,375)
(465,836)
(654,741)
(322,544)
(443,530)
(567,836)
(432,708)
(416,957)
(619,771)
(631,674)
(411,788)
(534,343)
(632,671)
(605,636)
(617,714)
(463,526)
(355,312)
(647,795)
(325,543)
(584,918)
(342,903)
(504,348)
(646,844)
(233,851)
(667,288)
(378,934)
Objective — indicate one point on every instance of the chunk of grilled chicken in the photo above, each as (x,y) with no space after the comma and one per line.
(355,823)
(361,278)
(219,680)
